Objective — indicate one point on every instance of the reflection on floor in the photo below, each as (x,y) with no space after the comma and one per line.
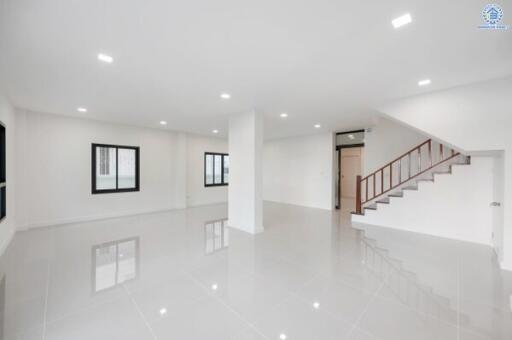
(178,275)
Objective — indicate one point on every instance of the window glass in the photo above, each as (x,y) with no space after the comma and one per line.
(126,176)
(209,169)
(226,169)
(217,164)
(105,168)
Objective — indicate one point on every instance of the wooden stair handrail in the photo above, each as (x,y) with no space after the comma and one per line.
(398,158)
(380,173)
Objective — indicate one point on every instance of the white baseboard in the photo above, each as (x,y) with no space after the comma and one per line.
(5,242)
(90,218)
(506,266)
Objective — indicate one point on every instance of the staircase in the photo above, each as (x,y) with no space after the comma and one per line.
(420,164)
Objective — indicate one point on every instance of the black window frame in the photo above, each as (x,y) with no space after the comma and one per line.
(93,168)
(3,172)
(222,183)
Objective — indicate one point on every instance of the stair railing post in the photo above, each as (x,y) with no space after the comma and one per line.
(430,151)
(358,195)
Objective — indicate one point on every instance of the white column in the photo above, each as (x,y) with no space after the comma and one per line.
(245,201)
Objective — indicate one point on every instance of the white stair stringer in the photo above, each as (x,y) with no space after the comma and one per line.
(451,201)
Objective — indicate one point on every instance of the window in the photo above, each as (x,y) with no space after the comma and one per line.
(114,168)
(3,185)
(216,169)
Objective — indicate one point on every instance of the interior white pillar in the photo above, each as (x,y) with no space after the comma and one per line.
(245,200)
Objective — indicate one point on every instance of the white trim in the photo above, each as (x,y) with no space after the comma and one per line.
(5,243)
(82,219)
(504,266)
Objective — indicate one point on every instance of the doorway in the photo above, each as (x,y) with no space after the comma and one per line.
(349,155)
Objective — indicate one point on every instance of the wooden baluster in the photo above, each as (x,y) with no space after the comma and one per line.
(399,171)
(441,150)
(391,175)
(419,159)
(374,193)
(430,151)
(366,185)
(409,163)
(381,180)
(358,195)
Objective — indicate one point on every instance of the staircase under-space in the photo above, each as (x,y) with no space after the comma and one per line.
(420,164)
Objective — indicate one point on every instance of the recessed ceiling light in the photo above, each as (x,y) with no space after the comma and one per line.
(351,136)
(424,82)
(105,58)
(283,115)
(81,109)
(317,126)
(215,131)
(225,96)
(282,336)
(214,286)
(316,305)
(163,311)
(163,122)
(402,20)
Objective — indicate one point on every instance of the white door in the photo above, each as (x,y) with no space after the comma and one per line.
(350,169)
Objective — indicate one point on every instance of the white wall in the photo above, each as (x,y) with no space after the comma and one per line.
(197,193)
(450,207)
(8,225)
(474,118)
(299,170)
(387,141)
(55,170)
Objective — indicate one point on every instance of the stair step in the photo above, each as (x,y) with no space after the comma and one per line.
(411,187)
(371,207)
(384,201)
(442,172)
(396,194)
(425,180)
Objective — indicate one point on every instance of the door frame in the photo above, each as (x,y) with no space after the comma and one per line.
(338,150)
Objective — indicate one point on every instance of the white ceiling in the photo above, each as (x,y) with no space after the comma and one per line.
(320,61)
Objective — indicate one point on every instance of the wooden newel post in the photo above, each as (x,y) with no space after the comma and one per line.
(358,195)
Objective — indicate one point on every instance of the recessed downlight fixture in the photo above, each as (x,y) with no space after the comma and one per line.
(316,305)
(317,126)
(163,311)
(225,96)
(283,115)
(105,58)
(402,20)
(282,336)
(351,137)
(81,109)
(215,131)
(424,82)
(163,122)
(215,286)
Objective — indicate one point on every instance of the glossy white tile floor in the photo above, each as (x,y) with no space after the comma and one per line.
(178,275)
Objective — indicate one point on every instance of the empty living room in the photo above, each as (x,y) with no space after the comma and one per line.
(255,170)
